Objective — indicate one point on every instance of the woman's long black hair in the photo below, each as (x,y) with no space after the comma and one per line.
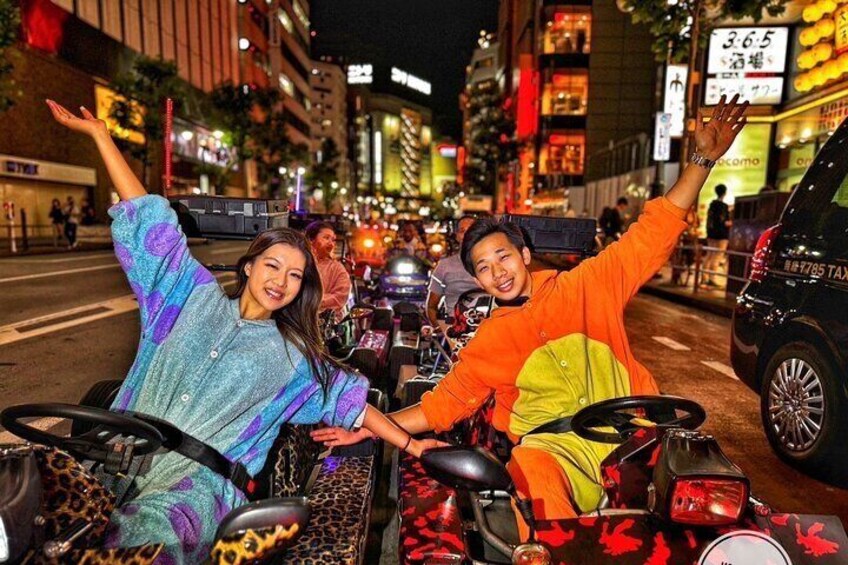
(298,320)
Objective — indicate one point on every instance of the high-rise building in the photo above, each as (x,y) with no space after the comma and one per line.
(329,114)
(580,76)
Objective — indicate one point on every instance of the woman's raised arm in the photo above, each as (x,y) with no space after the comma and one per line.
(125,181)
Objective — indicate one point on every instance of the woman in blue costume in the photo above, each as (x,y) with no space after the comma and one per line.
(226,370)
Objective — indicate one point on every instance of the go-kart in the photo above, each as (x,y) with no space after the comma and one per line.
(55,509)
(670,497)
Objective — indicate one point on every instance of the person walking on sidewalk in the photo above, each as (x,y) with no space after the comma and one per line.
(718,232)
(72,219)
(57,218)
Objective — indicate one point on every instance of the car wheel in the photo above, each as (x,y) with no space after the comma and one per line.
(803,411)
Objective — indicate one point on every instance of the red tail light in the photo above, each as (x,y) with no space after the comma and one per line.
(708,502)
(762,253)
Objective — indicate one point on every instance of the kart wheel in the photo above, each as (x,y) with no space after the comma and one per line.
(803,411)
(100,395)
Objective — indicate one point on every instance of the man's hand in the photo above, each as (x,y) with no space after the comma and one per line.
(334,437)
(713,139)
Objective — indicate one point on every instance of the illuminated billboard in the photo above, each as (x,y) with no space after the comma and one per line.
(411,81)
(360,74)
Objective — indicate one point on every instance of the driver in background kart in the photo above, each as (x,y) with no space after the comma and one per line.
(334,277)
(557,343)
(450,279)
(408,243)
(227,370)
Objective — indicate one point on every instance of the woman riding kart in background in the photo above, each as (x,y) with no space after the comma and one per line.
(226,370)
(557,341)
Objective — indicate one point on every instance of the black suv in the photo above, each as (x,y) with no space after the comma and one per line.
(790,325)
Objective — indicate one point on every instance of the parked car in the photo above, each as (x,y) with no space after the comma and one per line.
(790,324)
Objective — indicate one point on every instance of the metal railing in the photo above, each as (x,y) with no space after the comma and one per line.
(688,262)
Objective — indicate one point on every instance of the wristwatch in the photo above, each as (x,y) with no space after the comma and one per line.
(702,161)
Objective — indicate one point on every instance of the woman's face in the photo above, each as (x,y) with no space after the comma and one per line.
(324,243)
(274,278)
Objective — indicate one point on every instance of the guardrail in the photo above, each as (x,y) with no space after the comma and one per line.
(688,266)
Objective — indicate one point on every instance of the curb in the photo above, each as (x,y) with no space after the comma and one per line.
(725,310)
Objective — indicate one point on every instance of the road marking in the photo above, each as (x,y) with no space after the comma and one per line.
(42,424)
(57,321)
(721,368)
(670,343)
(105,255)
(58,273)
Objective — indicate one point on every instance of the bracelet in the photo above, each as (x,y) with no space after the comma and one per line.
(408,441)
(702,161)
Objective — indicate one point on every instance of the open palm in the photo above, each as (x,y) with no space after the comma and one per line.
(86,124)
(714,138)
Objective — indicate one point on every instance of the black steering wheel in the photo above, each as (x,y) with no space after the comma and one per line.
(659,410)
(92,445)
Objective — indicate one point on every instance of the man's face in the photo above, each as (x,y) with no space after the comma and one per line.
(463,227)
(408,233)
(500,268)
(324,243)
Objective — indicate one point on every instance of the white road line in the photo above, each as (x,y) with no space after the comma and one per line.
(58,273)
(42,424)
(12,333)
(74,258)
(721,368)
(670,343)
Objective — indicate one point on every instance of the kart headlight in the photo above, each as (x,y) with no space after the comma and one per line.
(437,248)
(405,268)
(695,483)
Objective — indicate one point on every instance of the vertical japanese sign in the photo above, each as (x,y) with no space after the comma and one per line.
(840,17)
(675,97)
(662,137)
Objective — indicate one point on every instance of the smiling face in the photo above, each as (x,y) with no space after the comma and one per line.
(324,244)
(274,279)
(500,268)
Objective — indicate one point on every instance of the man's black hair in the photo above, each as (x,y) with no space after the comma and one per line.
(484,227)
(314,228)
(622,202)
(720,190)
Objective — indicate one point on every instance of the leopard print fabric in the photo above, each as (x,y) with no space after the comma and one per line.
(296,454)
(341,508)
(253,545)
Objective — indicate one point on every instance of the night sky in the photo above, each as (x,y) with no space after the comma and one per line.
(432,39)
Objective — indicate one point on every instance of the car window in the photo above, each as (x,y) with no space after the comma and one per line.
(819,206)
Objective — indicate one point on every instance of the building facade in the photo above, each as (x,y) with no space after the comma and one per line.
(329,114)
(579,76)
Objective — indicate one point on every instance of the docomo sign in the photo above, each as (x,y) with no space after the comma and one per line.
(411,81)
(360,74)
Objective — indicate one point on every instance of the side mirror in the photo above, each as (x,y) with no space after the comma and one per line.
(467,468)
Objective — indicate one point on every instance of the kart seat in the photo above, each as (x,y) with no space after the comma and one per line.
(265,514)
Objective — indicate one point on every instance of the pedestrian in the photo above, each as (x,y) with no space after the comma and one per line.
(718,232)
(612,221)
(57,218)
(72,219)
(228,370)
(87,213)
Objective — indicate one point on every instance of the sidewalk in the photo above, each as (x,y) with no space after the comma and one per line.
(89,238)
(714,301)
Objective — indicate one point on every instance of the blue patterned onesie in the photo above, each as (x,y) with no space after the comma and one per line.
(226,381)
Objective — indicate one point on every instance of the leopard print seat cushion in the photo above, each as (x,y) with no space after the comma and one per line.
(295,457)
(340,501)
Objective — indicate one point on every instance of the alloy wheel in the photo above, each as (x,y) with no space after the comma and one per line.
(796,405)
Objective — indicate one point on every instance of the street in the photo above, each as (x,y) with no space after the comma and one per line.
(69,320)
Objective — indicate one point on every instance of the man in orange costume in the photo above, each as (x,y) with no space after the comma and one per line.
(557,343)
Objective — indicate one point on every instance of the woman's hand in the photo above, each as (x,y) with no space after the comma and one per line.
(334,437)
(714,138)
(419,446)
(87,124)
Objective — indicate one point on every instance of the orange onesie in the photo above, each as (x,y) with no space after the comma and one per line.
(563,349)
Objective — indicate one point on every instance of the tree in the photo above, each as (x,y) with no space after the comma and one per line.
(140,104)
(491,140)
(255,125)
(10,21)
(325,174)
(672,22)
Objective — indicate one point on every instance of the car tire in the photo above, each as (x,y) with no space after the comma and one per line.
(100,395)
(799,382)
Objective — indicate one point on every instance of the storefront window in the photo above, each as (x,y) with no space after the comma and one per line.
(566,94)
(563,154)
(568,31)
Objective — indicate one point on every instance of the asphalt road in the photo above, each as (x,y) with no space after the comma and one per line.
(68,321)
